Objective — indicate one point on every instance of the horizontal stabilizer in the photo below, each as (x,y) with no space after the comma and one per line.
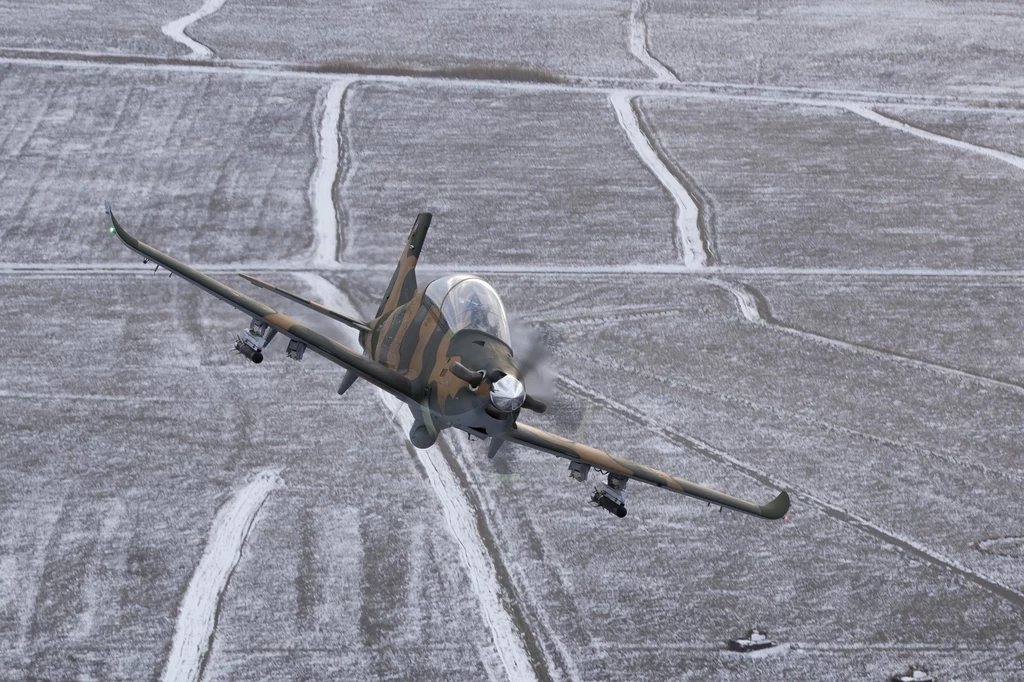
(312,305)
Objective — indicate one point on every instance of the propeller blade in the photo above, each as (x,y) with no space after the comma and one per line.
(533,357)
(534,405)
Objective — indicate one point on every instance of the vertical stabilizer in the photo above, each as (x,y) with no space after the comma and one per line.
(403,283)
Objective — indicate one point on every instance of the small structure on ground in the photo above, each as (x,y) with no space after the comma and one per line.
(912,675)
(754,641)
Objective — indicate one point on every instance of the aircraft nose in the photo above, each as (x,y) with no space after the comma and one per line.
(508,393)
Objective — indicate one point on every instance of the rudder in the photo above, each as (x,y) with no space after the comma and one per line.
(403,282)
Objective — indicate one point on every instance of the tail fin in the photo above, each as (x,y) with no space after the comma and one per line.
(403,283)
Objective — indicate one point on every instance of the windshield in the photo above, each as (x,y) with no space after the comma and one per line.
(468,302)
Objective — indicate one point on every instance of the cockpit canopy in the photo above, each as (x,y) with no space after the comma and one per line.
(468,302)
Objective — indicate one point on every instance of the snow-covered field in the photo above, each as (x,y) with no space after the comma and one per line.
(751,293)
(822,187)
(995,129)
(908,46)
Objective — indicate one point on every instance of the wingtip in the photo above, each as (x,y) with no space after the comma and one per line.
(114,227)
(777,508)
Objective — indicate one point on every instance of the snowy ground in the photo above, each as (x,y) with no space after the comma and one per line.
(909,46)
(168,511)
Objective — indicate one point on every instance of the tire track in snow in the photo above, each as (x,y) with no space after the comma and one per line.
(175,30)
(906,545)
(96,589)
(460,517)
(462,458)
(200,608)
(639,46)
(702,200)
(690,243)
(754,308)
(872,115)
(327,239)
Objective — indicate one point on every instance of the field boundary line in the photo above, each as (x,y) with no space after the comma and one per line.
(821,97)
(131,265)
(889,122)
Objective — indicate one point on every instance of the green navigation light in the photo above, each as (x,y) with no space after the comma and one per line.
(111,229)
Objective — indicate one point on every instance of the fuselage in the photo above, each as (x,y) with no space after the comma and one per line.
(453,321)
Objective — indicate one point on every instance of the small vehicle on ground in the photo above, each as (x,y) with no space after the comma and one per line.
(754,641)
(912,675)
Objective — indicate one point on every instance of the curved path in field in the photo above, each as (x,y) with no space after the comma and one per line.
(327,236)
(197,617)
(639,46)
(689,241)
(175,30)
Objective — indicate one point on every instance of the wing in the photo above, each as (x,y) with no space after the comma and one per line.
(337,353)
(562,447)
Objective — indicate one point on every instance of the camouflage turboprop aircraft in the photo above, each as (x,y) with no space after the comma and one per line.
(444,350)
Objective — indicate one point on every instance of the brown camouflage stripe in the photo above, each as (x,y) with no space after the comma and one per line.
(423,365)
(409,313)
(408,360)
(392,321)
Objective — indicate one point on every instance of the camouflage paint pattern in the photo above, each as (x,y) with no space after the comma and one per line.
(409,351)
